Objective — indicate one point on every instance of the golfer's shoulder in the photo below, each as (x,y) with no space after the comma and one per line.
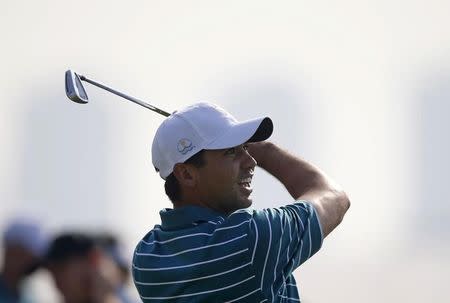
(273,222)
(297,210)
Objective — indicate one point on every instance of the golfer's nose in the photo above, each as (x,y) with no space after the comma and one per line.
(248,161)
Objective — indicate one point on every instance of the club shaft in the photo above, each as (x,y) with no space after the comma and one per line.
(132,99)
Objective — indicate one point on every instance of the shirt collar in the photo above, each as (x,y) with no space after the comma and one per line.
(187,216)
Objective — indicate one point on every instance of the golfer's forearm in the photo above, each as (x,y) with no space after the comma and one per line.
(297,175)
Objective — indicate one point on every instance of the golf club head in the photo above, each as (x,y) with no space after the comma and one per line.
(74,88)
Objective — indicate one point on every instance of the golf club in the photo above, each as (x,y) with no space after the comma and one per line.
(76,92)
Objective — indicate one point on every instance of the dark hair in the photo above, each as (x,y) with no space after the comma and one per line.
(69,245)
(172,186)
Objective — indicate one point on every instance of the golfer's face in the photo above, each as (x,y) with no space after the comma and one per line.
(226,178)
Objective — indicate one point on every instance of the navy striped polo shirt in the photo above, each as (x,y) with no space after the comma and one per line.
(198,255)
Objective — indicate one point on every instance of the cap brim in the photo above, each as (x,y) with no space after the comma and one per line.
(254,130)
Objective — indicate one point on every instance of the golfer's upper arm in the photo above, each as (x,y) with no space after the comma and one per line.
(286,237)
(330,205)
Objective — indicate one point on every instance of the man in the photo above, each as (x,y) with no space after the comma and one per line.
(24,246)
(82,272)
(114,249)
(209,247)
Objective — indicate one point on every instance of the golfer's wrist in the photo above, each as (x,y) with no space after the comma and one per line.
(261,151)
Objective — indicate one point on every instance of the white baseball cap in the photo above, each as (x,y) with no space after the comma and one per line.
(28,234)
(202,126)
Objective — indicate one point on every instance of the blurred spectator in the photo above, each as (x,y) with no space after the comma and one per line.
(24,246)
(114,248)
(82,272)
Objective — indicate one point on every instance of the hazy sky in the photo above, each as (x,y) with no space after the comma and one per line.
(360,88)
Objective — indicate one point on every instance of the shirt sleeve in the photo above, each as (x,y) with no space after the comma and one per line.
(284,238)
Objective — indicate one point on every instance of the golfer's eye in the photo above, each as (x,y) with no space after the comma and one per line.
(230,151)
(245,147)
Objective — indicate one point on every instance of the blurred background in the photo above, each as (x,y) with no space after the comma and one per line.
(359,88)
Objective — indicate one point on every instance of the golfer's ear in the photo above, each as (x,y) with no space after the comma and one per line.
(186,174)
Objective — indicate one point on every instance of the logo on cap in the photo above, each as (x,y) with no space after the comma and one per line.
(184,146)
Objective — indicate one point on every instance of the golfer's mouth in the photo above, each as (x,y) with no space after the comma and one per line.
(246,183)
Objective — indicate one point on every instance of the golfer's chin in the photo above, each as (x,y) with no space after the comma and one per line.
(245,202)
(240,200)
